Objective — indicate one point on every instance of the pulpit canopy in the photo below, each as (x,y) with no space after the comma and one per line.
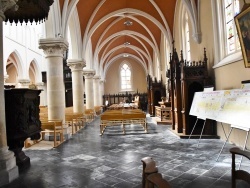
(29,11)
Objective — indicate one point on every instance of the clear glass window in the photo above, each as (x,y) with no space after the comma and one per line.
(125,73)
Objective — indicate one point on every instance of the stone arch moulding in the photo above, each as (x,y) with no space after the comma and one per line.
(194,15)
(118,13)
(16,59)
(36,70)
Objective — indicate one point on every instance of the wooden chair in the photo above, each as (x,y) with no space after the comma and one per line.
(55,127)
(69,122)
(156,180)
(89,115)
(98,110)
(148,167)
(239,174)
(78,121)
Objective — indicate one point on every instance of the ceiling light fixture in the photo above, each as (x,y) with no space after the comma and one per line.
(127,43)
(128,23)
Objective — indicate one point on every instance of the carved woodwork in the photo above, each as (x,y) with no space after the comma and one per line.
(22,121)
(27,11)
(186,78)
(129,97)
(156,90)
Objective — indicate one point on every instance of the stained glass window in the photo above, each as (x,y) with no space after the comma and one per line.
(232,8)
(125,77)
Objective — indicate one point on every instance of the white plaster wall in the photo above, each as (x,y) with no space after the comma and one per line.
(22,40)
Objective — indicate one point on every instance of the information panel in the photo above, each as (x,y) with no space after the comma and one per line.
(227,106)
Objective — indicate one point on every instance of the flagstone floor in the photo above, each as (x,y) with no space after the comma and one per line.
(88,160)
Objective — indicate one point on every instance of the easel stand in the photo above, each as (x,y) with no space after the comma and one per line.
(227,137)
(204,119)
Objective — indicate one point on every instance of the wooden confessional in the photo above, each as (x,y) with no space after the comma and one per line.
(185,79)
(156,90)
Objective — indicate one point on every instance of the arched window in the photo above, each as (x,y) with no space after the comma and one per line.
(125,73)
(231,8)
(227,46)
(187,38)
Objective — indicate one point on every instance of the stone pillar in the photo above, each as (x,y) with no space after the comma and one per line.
(40,86)
(88,75)
(23,83)
(8,168)
(101,92)
(76,67)
(97,92)
(54,49)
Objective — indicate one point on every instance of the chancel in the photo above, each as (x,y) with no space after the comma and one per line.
(124,93)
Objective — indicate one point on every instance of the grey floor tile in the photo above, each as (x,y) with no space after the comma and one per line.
(88,160)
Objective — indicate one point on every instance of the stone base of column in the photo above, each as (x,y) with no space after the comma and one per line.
(8,170)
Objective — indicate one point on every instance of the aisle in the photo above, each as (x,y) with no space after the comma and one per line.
(88,160)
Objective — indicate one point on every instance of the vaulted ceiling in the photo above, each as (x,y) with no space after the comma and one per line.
(125,28)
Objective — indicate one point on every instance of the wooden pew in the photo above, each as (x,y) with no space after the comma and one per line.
(55,127)
(156,180)
(148,167)
(239,174)
(122,117)
(89,115)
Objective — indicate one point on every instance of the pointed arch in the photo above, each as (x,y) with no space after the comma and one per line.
(14,67)
(34,72)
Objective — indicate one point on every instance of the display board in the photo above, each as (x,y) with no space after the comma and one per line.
(206,104)
(227,106)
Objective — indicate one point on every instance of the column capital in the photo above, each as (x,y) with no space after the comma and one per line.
(96,77)
(76,64)
(88,73)
(39,84)
(23,83)
(102,81)
(53,47)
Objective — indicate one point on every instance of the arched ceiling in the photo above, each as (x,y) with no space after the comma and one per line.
(129,28)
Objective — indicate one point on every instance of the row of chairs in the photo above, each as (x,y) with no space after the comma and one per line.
(55,128)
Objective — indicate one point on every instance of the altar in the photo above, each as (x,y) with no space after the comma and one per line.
(123,106)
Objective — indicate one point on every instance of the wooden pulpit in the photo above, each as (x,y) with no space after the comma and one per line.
(22,121)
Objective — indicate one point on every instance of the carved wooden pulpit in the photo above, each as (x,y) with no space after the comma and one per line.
(22,120)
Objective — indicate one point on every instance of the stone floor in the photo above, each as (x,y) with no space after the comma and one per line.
(88,160)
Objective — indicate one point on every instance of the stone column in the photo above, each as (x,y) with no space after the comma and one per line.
(97,92)
(8,168)
(101,91)
(40,86)
(23,83)
(76,67)
(54,49)
(88,75)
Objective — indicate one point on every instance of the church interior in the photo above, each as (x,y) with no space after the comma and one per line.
(108,93)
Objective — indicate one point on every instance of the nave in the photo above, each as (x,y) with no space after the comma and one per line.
(88,160)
